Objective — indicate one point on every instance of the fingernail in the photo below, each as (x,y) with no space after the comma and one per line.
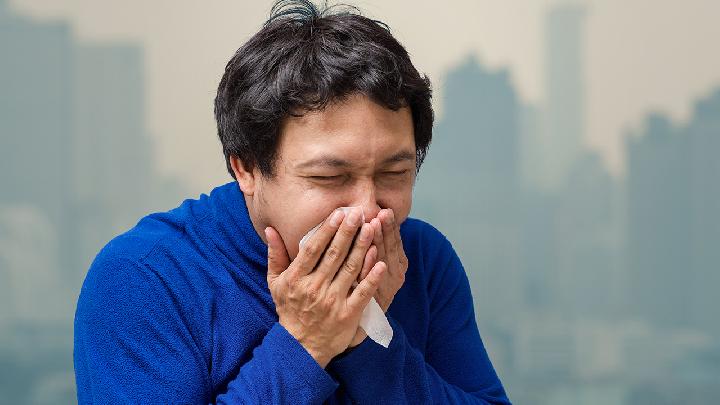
(353,218)
(336,218)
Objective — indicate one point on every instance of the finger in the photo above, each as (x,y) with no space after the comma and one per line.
(278,259)
(352,266)
(314,247)
(378,240)
(401,250)
(370,259)
(336,253)
(397,237)
(361,295)
(390,236)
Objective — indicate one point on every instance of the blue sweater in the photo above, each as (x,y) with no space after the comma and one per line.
(177,310)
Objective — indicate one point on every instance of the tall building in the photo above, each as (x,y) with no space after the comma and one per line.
(674,219)
(75,170)
(564,110)
(112,170)
(74,148)
(587,271)
(659,245)
(36,78)
(35,112)
(703,134)
(531,144)
(469,185)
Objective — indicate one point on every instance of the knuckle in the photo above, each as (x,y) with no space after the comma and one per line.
(364,293)
(296,287)
(332,253)
(291,280)
(402,266)
(344,316)
(292,295)
(313,293)
(330,300)
(372,283)
(350,267)
(311,249)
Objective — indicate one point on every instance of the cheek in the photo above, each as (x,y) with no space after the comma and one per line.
(400,203)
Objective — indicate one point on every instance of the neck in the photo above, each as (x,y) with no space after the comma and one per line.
(257,223)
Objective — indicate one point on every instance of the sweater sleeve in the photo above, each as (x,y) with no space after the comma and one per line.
(133,344)
(453,368)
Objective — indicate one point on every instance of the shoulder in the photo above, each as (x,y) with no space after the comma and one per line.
(422,238)
(144,280)
(121,266)
(414,229)
(120,288)
(166,228)
(430,253)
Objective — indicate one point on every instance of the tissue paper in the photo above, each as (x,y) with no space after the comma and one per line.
(373,319)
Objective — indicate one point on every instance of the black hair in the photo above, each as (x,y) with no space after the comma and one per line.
(301,60)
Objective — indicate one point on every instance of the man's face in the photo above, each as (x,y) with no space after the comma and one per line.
(354,153)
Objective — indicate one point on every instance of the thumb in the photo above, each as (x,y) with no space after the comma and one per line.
(278,259)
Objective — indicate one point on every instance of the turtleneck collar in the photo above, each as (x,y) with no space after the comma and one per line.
(236,236)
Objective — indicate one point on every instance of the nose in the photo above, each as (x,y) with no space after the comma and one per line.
(365,197)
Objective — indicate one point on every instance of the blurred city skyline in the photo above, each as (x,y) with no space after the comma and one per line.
(640,56)
(591,286)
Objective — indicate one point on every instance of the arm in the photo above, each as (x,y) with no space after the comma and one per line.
(455,367)
(134,345)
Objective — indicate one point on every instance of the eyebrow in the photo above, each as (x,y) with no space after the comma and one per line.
(335,162)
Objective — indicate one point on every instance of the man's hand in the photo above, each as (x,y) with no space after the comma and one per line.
(390,251)
(313,295)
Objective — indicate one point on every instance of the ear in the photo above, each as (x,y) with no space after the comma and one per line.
(245,178)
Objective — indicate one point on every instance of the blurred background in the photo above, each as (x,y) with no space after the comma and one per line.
(574,167)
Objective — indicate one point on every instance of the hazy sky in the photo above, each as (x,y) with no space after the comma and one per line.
(641,55)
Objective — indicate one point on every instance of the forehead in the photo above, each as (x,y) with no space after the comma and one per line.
(356,130)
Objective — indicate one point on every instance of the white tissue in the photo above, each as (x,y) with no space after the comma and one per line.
(373,319)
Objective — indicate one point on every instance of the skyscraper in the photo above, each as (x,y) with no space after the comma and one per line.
(469,186)
(75,170)
(658,224)
(112,170)
(75,155)
(704,142)
(564,110)
(674,219)
(35,138)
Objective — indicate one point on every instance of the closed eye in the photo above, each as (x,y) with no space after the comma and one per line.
(325,177)
(328,180)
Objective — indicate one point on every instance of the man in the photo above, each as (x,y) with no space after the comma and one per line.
(216,301)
